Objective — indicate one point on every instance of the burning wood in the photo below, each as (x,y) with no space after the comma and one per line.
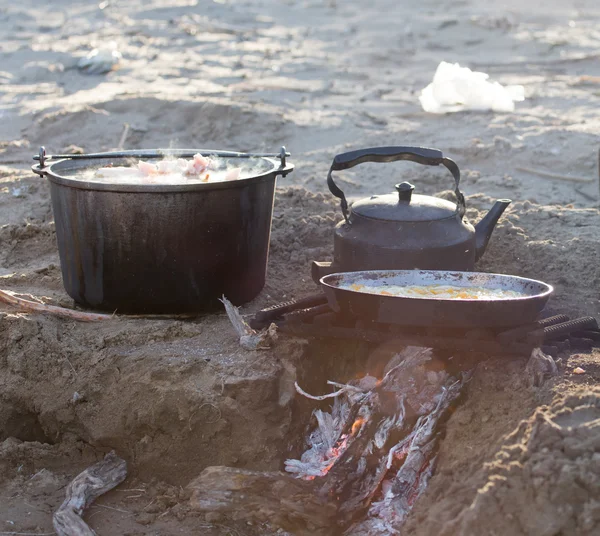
(372,456)
(400,491)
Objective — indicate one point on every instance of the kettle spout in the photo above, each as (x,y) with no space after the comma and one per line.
(485,228)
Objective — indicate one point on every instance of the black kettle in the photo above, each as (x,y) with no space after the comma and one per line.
(404,230)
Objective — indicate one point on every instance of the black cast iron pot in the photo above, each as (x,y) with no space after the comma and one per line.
(402,230)
(152,248)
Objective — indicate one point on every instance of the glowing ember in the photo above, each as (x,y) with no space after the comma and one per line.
(357,425)
(334,453)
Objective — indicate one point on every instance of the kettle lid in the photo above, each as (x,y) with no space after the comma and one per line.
(404,206)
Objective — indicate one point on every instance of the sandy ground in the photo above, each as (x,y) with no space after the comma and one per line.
(321,78)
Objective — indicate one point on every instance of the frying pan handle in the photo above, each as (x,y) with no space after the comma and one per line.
(420,155)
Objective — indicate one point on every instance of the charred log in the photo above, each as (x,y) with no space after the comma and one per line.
(282,500)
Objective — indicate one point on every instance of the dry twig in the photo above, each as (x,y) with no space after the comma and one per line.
(558,176)
(37,307)
(537,64)
(318,397)
(112,508)
(585,194)
(34,307)
(121,144)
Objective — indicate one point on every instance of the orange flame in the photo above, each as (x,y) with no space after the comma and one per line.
(336,451)
(357,425)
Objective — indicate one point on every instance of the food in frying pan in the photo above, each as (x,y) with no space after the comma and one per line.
(444,292)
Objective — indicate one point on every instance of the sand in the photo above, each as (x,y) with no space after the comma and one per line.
(321,78)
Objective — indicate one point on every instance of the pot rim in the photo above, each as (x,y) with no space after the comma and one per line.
(53,176)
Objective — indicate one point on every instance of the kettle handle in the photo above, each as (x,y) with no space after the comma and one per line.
(421,155)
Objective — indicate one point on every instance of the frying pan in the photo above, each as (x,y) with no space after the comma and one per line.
(436,311)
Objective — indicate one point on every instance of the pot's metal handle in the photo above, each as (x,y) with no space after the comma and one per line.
(38,168)
(284,167)
(159,153)
(420,155)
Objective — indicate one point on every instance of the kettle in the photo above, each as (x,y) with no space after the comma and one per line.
(405,230)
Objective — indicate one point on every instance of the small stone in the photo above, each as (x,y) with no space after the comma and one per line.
(153,508)
(213,517)
(463,417)
(73,149)
(502,144)
(578,370)
(145,518)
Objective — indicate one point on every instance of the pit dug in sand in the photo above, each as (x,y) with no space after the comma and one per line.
(177,397)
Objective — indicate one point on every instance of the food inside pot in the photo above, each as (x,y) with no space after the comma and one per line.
(434,291)
(169,171)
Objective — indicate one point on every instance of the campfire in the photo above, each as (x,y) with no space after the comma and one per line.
(375,450)
(369,457)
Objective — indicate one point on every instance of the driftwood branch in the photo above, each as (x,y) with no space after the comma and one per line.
(84,490)
(71,314)
(34,307)
(539,368)
(249,338)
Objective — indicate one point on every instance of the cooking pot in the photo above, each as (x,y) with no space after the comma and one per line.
(161,248)
(405,230)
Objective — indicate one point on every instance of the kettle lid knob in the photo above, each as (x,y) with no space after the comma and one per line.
(405,190)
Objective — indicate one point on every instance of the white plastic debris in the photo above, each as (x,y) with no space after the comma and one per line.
(456,89)
(100,60)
